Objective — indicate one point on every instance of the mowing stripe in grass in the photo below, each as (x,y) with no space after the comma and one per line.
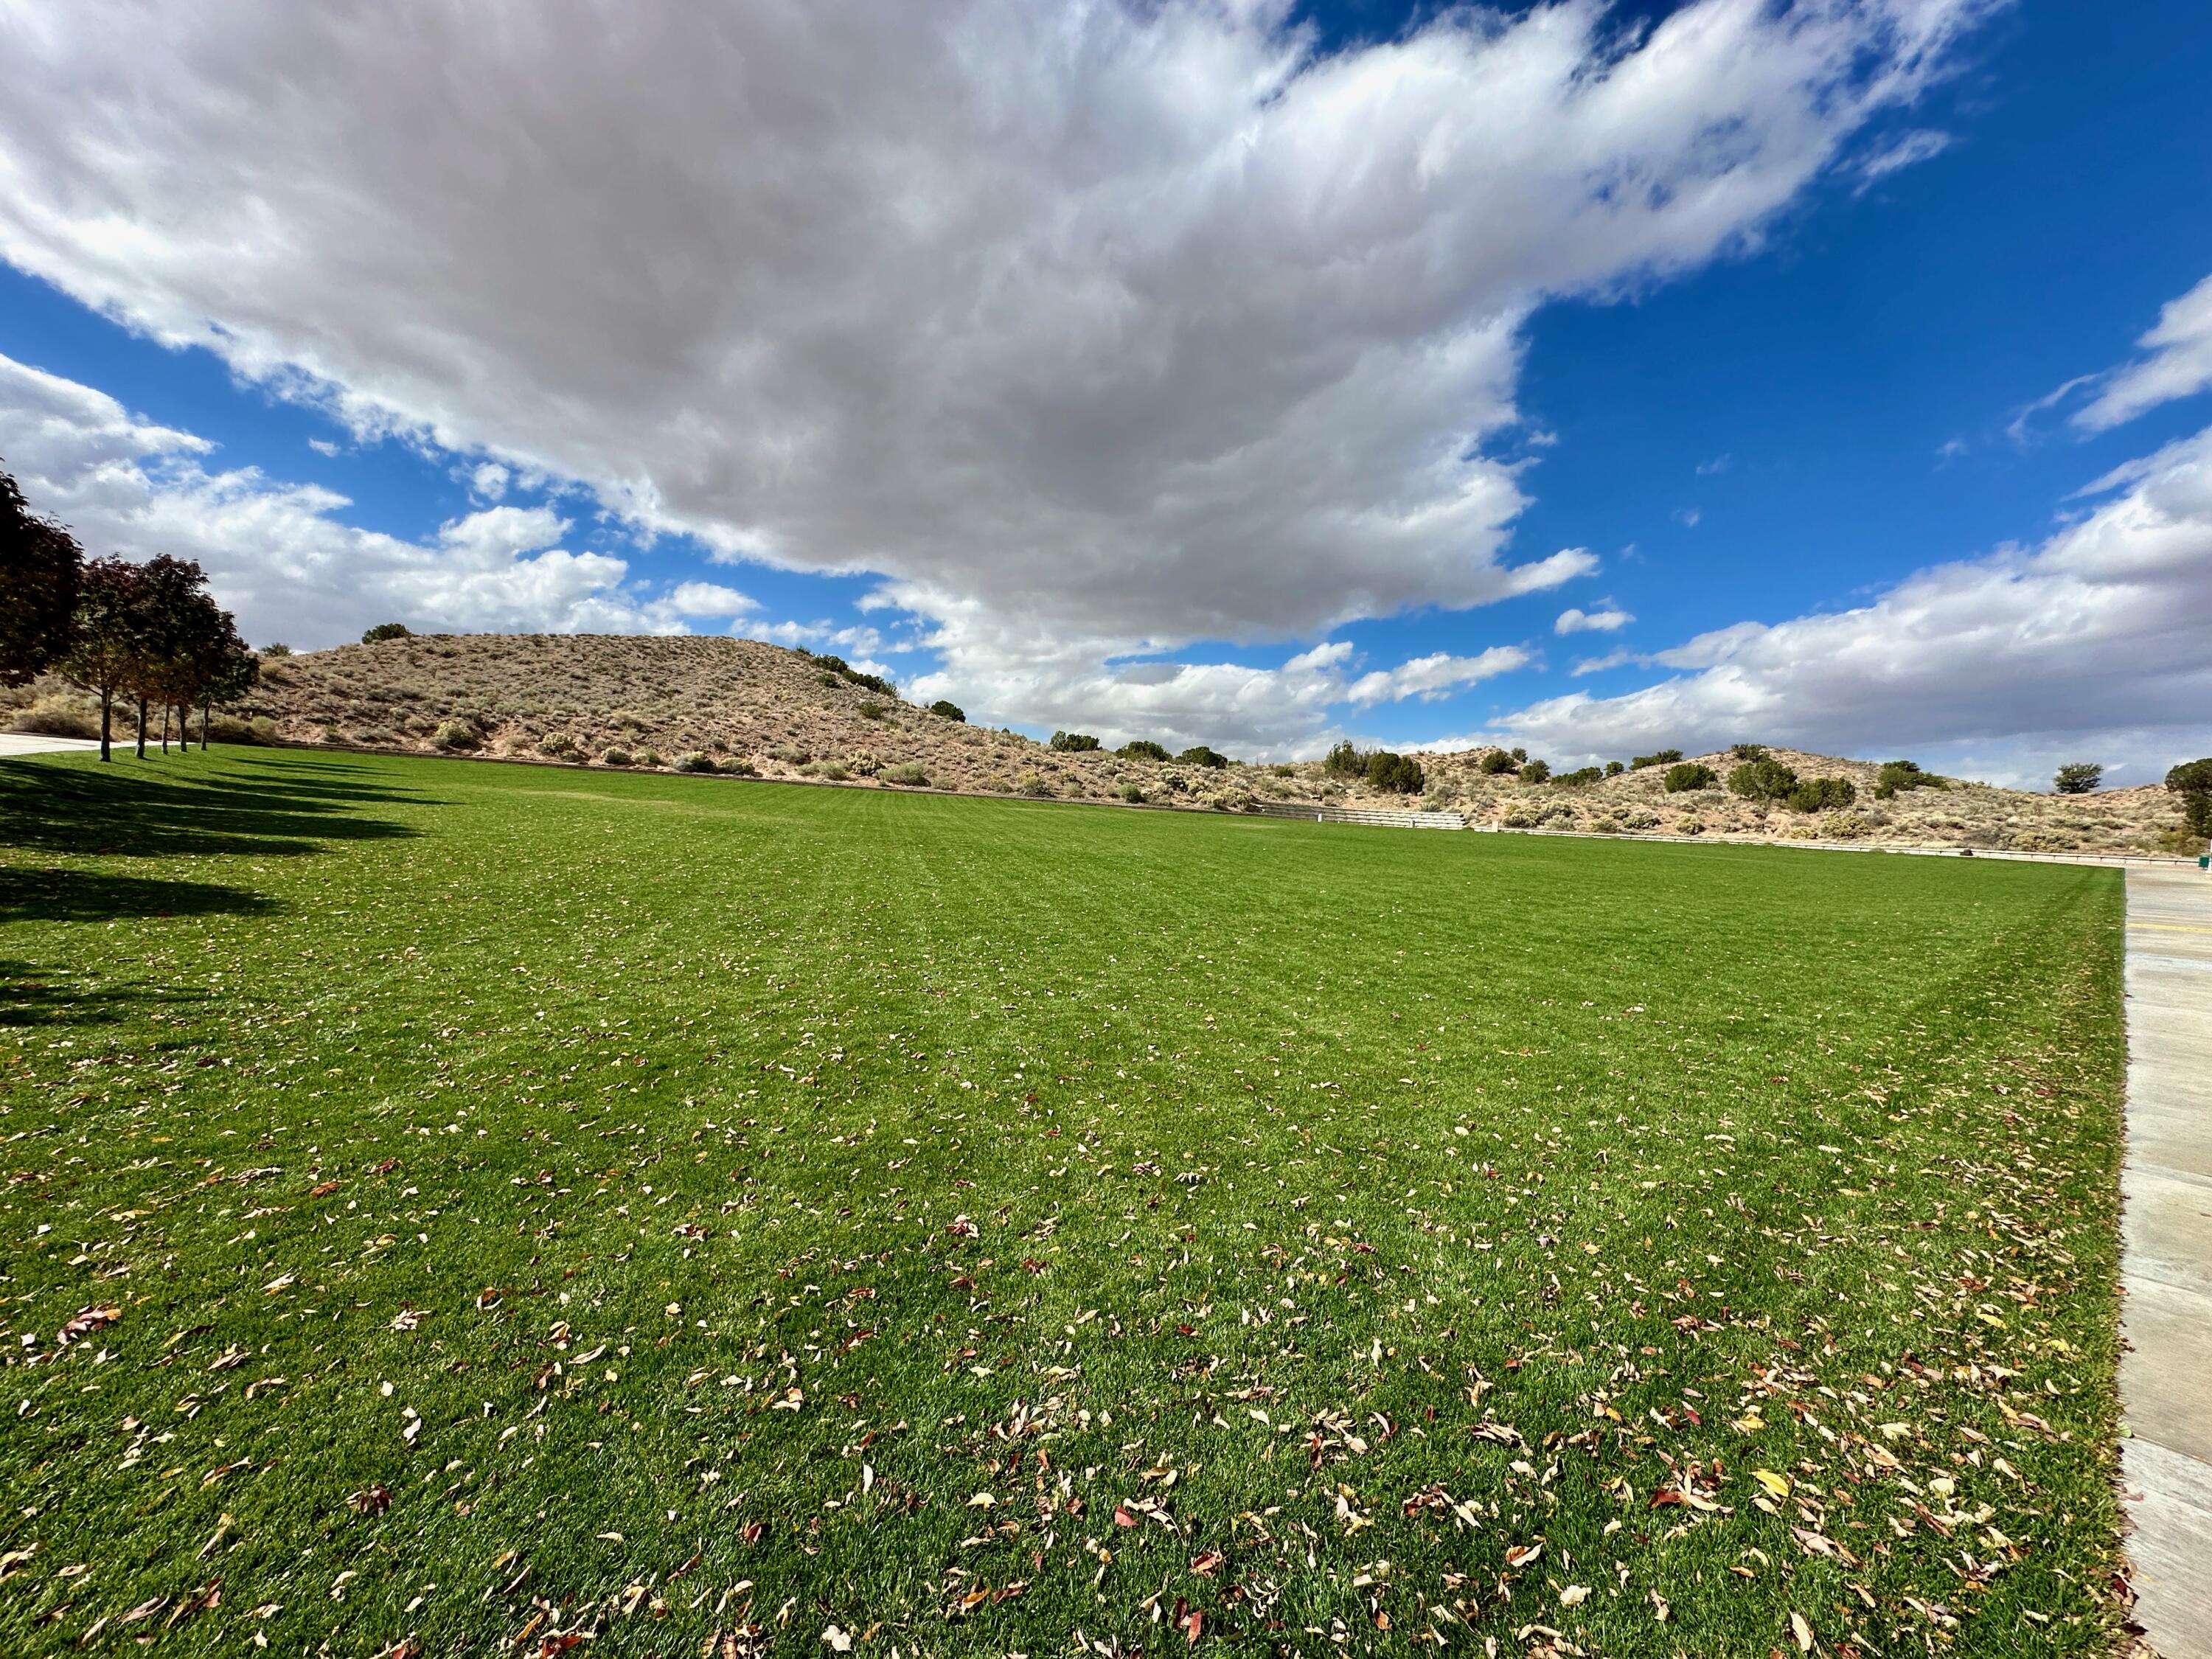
(730,1213)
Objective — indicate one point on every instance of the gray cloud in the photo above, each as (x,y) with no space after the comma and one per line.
(1096,328)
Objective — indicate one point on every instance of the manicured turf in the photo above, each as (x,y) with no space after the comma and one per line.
(736,1216)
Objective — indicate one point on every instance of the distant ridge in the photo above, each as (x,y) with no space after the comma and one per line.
(739,704)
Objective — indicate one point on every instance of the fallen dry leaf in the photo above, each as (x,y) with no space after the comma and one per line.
(86,1319)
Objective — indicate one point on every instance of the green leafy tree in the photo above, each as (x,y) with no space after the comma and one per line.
(2078,778)
(231,671)
(387,631)
(1200,755)
(1536,771)
(1144,749)
(946,710)
(1073,742)
(1686,775)
(172,606)
(2192,781)
(1663,757)
(40,567)
(105,645)
(1495,763)
(197,638)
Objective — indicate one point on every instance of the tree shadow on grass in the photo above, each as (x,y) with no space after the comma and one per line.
(126,813)
(325,780)
(31,995)
(90,896)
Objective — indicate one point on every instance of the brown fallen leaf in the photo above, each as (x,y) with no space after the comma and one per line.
(86,1320)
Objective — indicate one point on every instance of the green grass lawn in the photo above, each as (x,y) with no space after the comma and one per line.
(494,1204)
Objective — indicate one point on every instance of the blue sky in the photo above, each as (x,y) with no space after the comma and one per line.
(1209,372)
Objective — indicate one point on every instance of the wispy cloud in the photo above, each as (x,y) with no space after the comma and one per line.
(1611,660)
(1905,150)
(2176,363)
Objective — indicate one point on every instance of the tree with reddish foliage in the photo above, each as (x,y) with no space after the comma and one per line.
(40,567)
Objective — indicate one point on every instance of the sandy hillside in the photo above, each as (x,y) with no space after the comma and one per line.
(745,706)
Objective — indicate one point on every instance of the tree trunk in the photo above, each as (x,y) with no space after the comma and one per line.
(106,723)
(207,711)
(165,729)
(142,728)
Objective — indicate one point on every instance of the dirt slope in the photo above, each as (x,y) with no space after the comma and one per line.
(739,703)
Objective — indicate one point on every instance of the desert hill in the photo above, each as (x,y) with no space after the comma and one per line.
(745,706)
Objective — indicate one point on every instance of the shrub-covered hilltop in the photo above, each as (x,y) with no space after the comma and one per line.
(699,704)
(742,706)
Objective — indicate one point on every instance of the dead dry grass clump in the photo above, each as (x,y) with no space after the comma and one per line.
(53,708)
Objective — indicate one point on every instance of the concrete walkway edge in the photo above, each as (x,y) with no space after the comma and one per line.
(2166,1263)
(37,742)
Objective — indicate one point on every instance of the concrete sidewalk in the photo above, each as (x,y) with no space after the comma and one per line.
(2166,1268)
(34,742)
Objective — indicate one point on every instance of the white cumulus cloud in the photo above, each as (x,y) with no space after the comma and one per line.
(1607,619)
(2092,643)
(281,554)
(1097,330)
(708,599)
